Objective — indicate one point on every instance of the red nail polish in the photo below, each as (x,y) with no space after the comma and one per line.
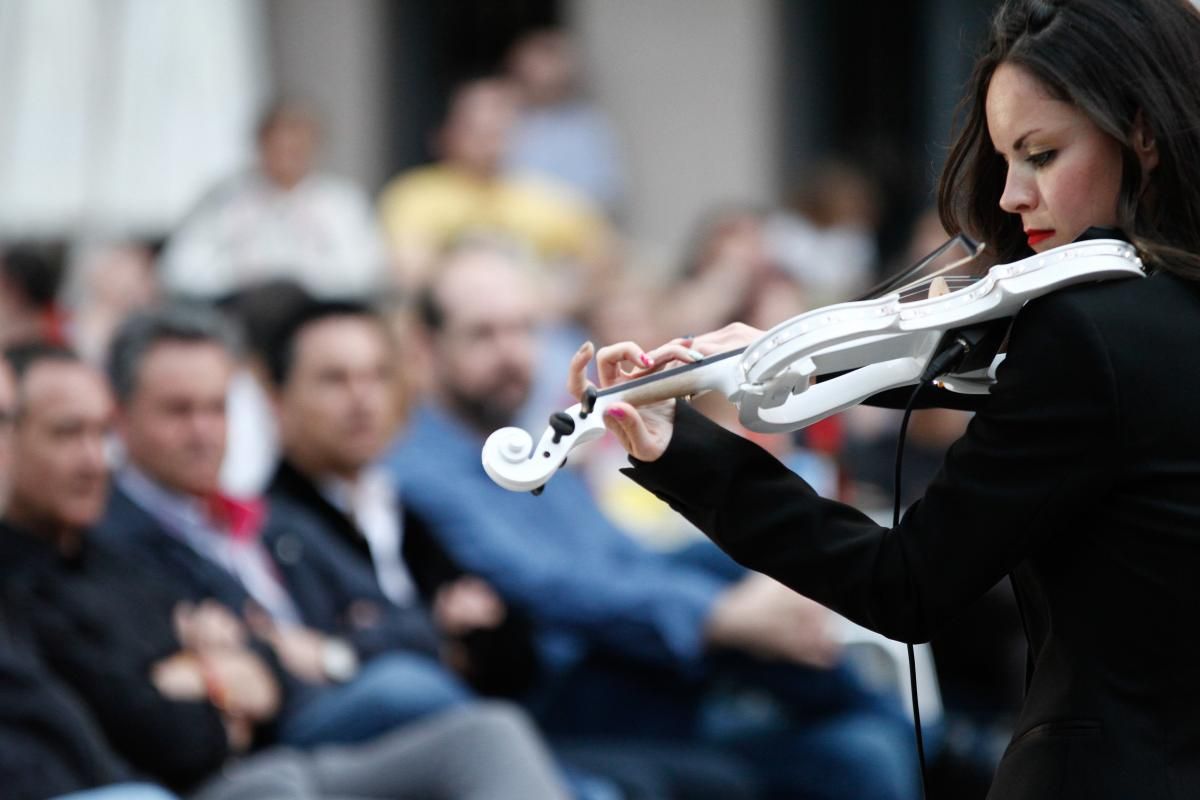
(619,413)
(646,360)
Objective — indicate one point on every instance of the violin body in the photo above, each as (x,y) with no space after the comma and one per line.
(826,360)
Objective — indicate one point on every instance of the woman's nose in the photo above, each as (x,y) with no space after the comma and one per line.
(1020,193)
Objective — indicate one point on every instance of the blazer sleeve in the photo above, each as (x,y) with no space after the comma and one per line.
(1025,474)
(178,742)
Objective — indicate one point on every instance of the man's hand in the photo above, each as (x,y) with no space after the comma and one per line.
(235,681)
(305,652)
(179,677)
(467,604)
(763,617)
(208,626)
(301,650)
(247,689)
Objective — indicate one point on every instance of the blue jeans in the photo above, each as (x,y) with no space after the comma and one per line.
(804,733)
(121,791)
(391,690)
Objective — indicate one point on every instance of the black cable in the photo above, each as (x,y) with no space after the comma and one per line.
(912,658)
(942,362)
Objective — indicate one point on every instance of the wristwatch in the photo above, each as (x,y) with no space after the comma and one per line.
(338,660)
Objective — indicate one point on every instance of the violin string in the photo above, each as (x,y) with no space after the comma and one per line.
(889,285)
(942,271)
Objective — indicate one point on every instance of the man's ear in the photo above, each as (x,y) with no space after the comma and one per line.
(1144,144)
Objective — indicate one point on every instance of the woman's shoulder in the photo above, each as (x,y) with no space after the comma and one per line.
(1159,298)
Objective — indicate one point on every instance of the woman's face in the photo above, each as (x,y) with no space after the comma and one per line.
(1064,173)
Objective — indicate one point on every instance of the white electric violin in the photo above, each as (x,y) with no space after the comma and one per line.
(947,324)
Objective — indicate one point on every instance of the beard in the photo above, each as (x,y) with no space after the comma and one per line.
(495,407)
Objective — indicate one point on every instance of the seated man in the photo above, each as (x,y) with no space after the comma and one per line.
(334,387)
(677,642)
(49,744)
(360,664)
(334,376)
(175,690)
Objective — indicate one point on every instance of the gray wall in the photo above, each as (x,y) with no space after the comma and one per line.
(691,84)
(334,54)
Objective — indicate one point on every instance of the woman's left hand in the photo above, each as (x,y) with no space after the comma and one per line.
(722,340)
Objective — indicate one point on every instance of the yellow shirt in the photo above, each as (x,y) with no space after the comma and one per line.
(425,209)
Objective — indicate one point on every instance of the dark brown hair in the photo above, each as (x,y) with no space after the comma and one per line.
(1113,60)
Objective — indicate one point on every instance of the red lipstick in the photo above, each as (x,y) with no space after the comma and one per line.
(1035,235)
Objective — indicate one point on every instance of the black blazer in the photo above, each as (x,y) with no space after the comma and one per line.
(1081,478)
(99,620)
(500,661)
(329,590)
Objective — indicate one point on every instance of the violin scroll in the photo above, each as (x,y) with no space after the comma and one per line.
(512,460)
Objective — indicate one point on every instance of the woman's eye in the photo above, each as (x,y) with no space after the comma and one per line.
(1041,159)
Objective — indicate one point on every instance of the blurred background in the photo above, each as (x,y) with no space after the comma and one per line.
(120,113)
(662,165)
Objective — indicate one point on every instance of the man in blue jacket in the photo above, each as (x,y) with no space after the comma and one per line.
(641,643)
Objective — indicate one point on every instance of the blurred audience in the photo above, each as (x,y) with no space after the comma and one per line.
(698,650)
(178,689)
(359,665)
(279,218)
(49,743)
(467,191)
(29,282)
(826,238)
(107,282)
(333,372)
(730,275)
(559,133)
(284,589)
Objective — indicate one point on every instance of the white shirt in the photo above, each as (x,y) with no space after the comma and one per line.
(373,504)
(247,230)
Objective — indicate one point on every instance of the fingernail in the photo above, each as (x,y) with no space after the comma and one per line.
(646,362)
(583,347)
(619,413)
(696,355)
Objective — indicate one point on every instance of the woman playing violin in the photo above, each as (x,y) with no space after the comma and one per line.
(1080,477)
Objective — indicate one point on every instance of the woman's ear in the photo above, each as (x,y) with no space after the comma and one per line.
(1144,144)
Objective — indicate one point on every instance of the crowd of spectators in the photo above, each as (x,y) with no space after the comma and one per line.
(247,548)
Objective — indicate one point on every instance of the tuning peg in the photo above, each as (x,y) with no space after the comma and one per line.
(562,425)
(588,401)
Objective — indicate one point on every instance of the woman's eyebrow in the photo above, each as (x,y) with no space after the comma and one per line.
(1020,142)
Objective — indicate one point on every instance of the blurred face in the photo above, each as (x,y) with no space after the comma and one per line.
(60,483)
(123,279)
(544,66)
(1064,173)
(476,133)
(484,354)
(8,414)
(337,411)
(287,148)
(174,423)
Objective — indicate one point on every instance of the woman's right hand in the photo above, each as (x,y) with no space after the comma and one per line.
(643,431)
